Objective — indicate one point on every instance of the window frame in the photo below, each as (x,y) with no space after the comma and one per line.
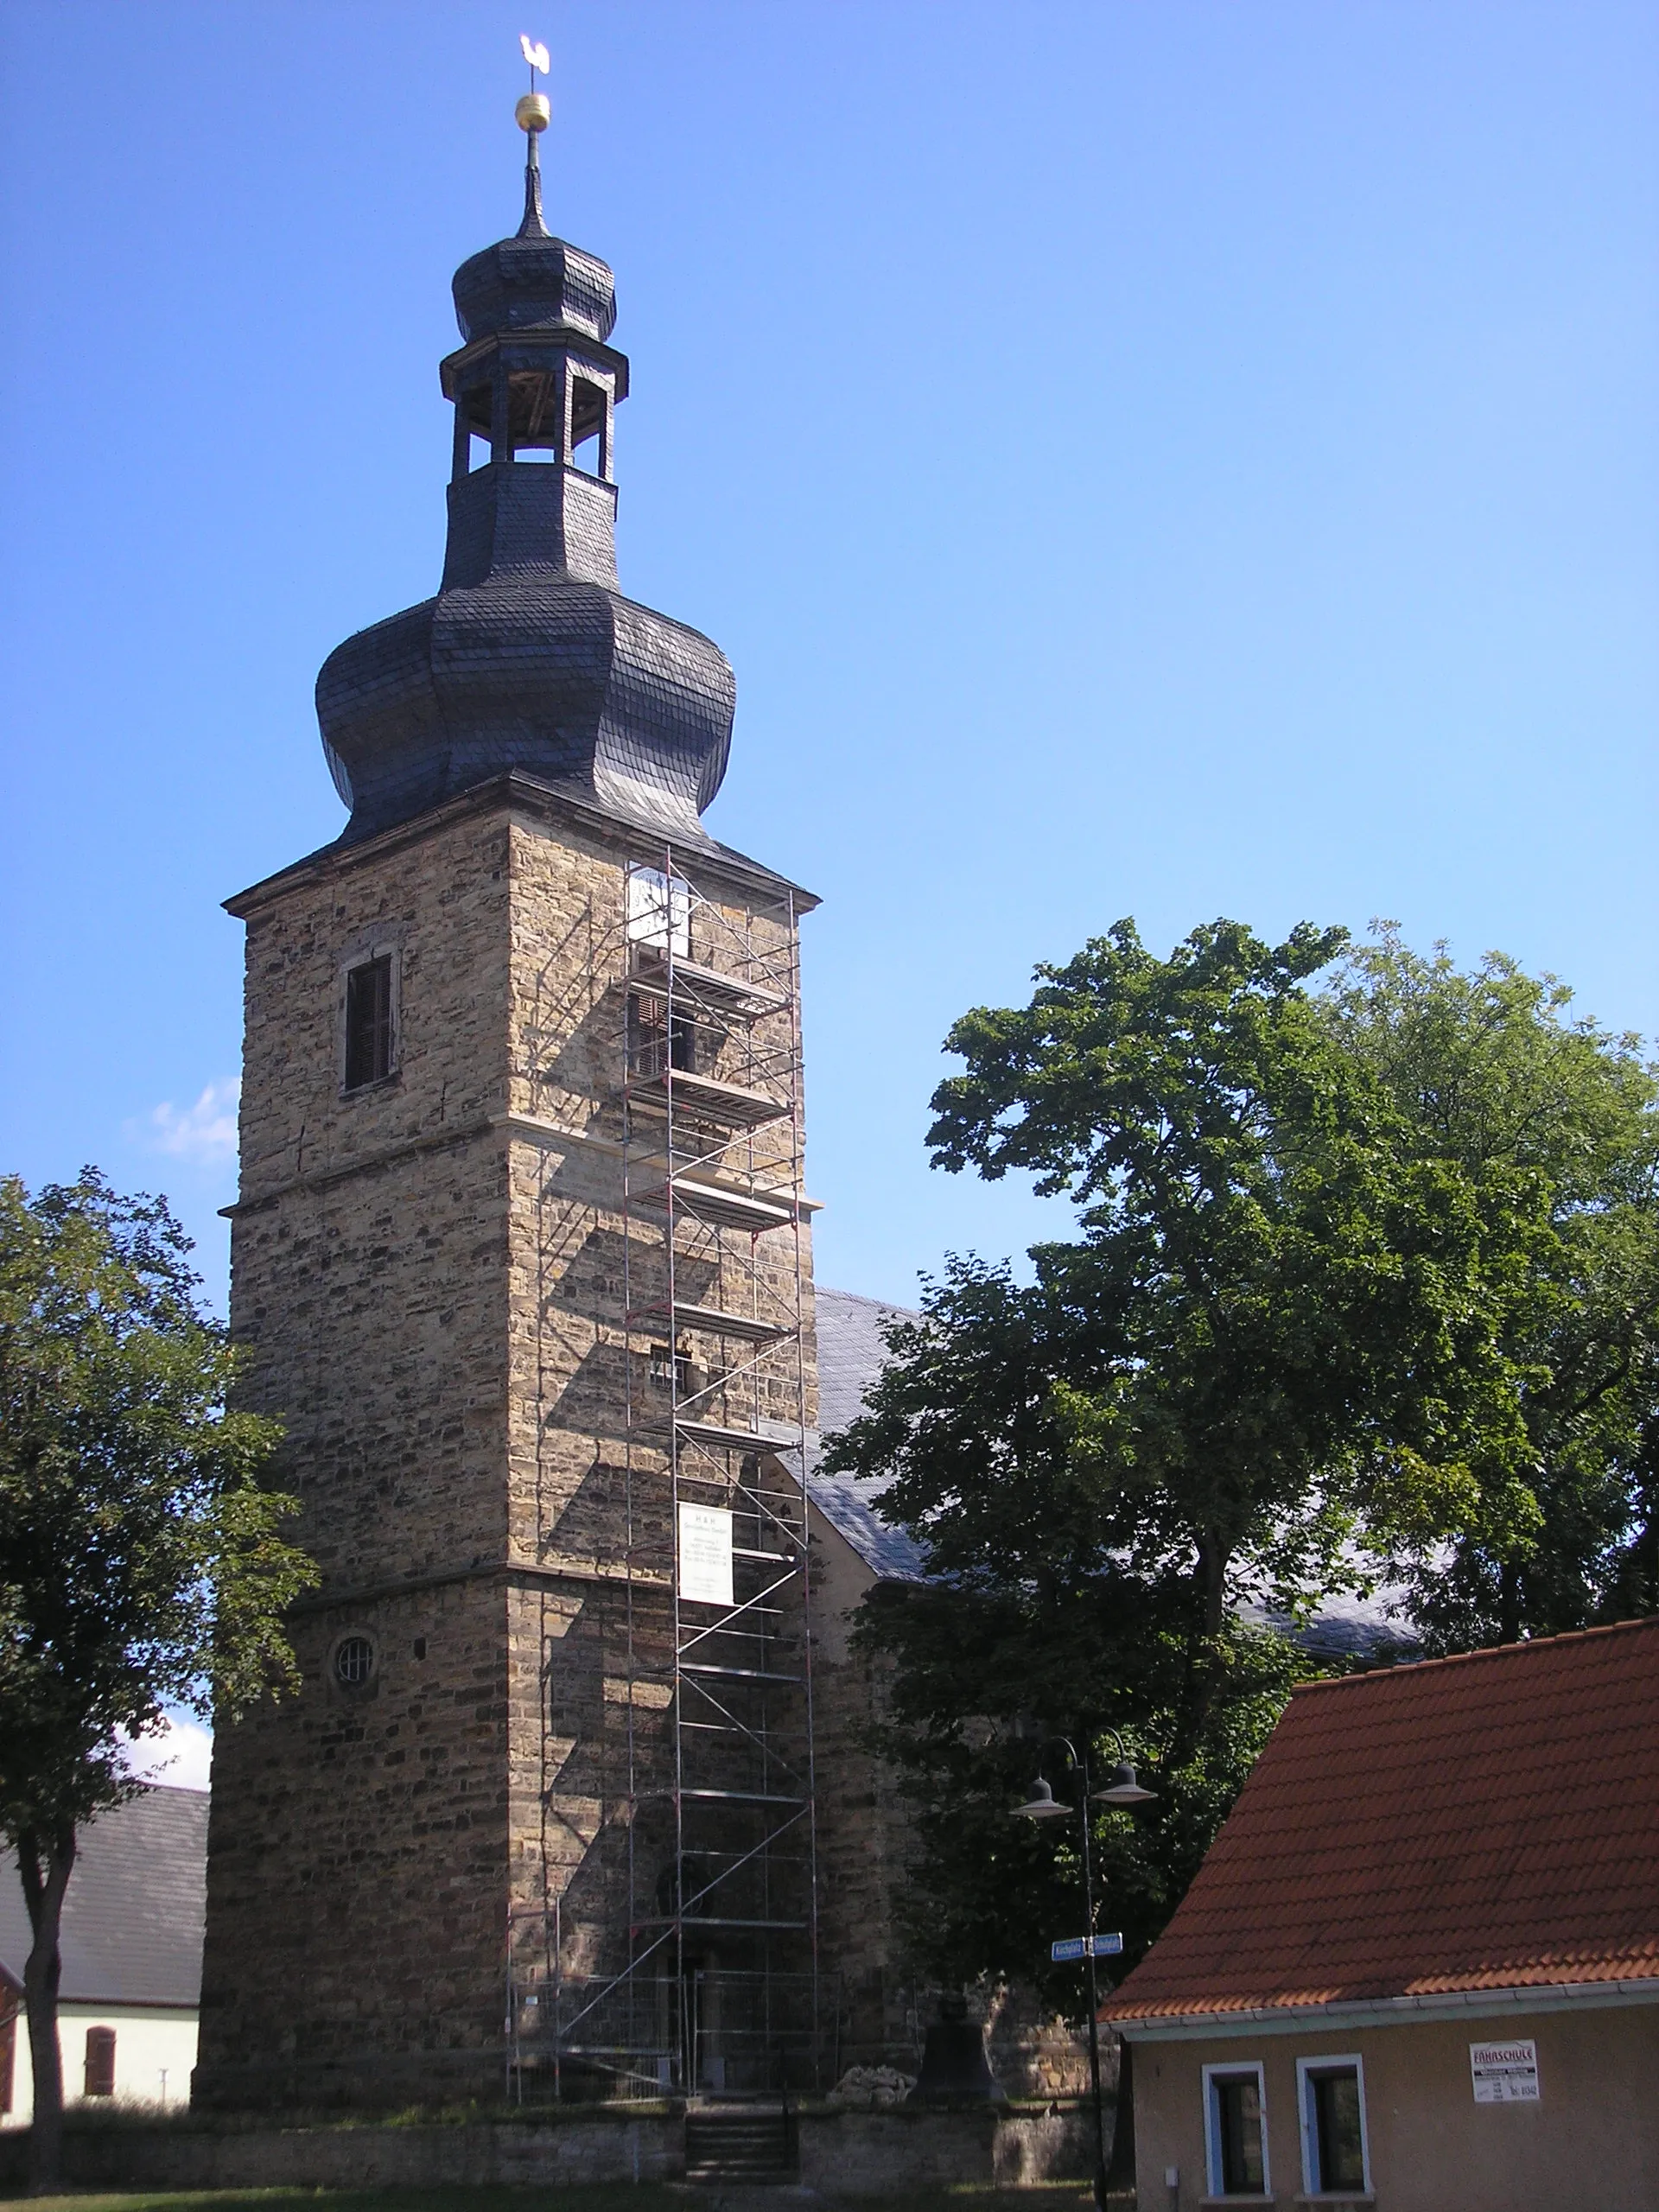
(100,2037)
(1307,2119)
(355,1685)
(1235,2070)
(671,1368)
(660,1042)
(369,957)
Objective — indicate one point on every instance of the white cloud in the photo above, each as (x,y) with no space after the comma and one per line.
(179,1754)
(204,1133)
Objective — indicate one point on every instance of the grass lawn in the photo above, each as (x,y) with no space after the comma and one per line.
(612,2197)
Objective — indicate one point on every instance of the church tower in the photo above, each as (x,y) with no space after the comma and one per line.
(520,1259)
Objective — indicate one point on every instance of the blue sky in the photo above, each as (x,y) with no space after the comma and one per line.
(1170,460)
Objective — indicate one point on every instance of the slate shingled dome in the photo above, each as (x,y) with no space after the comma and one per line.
(534,284)
(530,658)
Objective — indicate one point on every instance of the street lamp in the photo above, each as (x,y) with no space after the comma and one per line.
(1124,1788)
(1041,1805)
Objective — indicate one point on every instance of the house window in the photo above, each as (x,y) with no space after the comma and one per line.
(8,2053)
(353,1661)
(1236,2131)
(368,1022)
(100,2062)
(1335,2155)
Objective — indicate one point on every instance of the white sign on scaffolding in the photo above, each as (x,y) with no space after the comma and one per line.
(706,1555)
(659,911)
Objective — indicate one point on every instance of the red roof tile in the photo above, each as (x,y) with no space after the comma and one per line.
(1485,1822)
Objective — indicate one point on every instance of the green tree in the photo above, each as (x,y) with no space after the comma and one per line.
(1494,1079)
(1047,1623)
(140,1561)
(1282,1326)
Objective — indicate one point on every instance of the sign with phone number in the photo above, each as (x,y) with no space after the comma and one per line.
(1504,2073)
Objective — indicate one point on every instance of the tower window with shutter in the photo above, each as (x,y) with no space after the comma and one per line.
(368,1022)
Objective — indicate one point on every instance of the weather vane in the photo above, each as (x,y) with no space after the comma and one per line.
(533,114)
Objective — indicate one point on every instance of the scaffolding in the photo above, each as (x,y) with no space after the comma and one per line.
(712,1985)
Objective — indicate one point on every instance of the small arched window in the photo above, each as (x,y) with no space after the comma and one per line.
(353,1661)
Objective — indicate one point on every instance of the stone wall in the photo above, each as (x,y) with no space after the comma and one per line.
(1033,2053)
(357,1846)
(868,2154)
(429,1281)
(571,2152)
(842,2154)
(862,1825)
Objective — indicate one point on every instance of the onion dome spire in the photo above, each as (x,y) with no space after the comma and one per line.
(530,658)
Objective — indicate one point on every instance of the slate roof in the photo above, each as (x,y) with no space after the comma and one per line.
(530,657)
(133,1913)
(1479,1823)
(850,1354)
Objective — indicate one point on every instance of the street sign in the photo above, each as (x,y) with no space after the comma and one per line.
(1076,1946)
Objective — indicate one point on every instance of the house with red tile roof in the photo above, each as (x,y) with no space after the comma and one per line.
(1419,1967)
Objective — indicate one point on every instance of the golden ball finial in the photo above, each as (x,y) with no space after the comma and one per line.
(534,112)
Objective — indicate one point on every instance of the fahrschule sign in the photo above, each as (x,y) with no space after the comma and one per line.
(1504,2073)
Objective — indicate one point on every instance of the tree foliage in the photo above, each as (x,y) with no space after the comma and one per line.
(982,1681)
(1538,1112)
(1362,1286)
(141,1562)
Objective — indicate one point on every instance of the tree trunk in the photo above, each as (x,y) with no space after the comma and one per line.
(1214,1555)
(1508,1603)
(1203,1670)
(46,1863)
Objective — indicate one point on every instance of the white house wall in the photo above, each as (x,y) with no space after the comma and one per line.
(150,2041)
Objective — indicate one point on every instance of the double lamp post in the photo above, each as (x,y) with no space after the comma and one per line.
(1124,1789)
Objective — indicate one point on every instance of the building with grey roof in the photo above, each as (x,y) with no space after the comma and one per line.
(851,1349)
(131,1945)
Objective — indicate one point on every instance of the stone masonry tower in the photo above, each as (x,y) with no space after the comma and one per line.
(520,1259)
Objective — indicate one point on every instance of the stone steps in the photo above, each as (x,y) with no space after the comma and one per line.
(754,2143)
